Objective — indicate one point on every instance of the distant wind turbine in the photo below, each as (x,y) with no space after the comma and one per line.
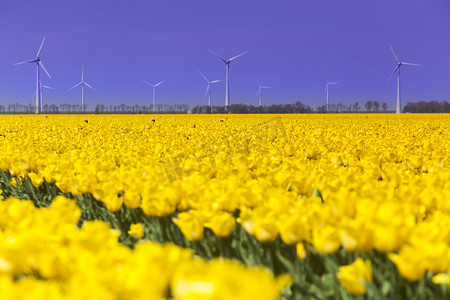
(327,87)
(39,63)
(259,92)
(208,89)
(41,90)
(227,78)
(83,84)
(154,91)
(398,109)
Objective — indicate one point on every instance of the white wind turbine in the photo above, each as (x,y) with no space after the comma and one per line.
(154,91)
(398,109)
(259,92)
(83,84)
(227,78)
(208,89)
(41,90)
(39,63)
(327,87)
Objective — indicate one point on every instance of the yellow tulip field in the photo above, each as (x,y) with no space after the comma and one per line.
(347,206)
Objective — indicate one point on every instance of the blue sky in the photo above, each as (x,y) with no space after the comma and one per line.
(289,43)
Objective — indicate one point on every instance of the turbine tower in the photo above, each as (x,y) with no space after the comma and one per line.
(154,91)
(398,108)
(83,84)
(39,63)
(41,90)
(208,89)
(327,88)
(259,92)
(227,78)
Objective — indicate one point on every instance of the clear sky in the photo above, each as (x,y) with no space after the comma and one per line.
(289,42)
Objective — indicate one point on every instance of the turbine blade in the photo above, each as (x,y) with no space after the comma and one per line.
(323,75)
(47,87)
(395,70)
(411,64)
(25,62)
(207,89)
(40,48)
(257,81)
(159,83)
(147,83)
(88,85)
(266,87)
(43,68)
(204,76)
(82,73)
(233,58)
(224,60)
(333,82)
(395,55)
(258,92)
(216,81)
(75,85)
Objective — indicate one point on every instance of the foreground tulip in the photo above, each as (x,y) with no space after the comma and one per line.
(354,277)
(190,226)
(326,239)
(223,280)
(221,224)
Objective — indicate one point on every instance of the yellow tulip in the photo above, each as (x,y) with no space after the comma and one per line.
(294,229)
(408,263)
(221,224)
(131,199)
(326,239)
(302,250)
(189,225)
(136,230)
(36,179)
(113,202)
(354,277)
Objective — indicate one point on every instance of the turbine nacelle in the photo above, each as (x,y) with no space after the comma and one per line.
(400,63)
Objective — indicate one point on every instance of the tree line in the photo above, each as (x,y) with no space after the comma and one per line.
(77,108)
(427,107)
(297,107)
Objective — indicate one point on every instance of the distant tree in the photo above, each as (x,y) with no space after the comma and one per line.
(384,106)
(376,106)
(332,107)
(368,106)
(356,107)
(321,109)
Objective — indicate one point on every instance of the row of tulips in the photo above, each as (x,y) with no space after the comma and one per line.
(303,194)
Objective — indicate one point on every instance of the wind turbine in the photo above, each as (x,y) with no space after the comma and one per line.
(208,88)
(83,84)
(154,91)
(39,63)
(41,90)
(227,78)
(259,92)
(327,87)
(398,109)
